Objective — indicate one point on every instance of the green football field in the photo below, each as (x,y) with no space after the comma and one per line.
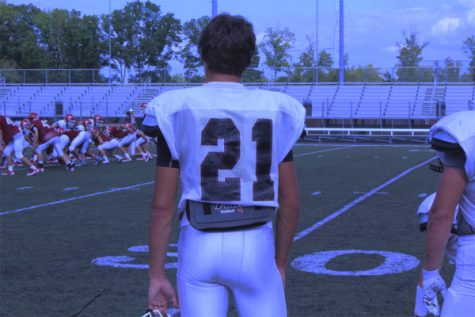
(74,244)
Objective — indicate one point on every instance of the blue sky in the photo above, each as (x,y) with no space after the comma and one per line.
(372,27)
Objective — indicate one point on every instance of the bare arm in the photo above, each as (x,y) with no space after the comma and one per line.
(287,216)
(441,215)
(35,138)
(161,292)
(1,143)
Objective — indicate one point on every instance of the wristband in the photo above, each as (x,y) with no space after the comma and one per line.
(426,274)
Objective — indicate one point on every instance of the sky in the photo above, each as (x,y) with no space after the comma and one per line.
(373,28)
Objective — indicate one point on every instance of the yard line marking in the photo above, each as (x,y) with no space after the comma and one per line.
(321,151)
(379,193)
(74,198)
(353,203)
(315,193)
(25,187)
(421,195)
(70,188)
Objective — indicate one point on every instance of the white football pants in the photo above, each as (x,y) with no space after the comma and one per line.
(83,138)
(243,262)
(16,146)
(63,141)
(128,139)
(109,145)
(53,141)
(460,297)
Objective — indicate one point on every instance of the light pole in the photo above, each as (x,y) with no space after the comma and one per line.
(110,43)
(341,46)
(214,8)
(316,41)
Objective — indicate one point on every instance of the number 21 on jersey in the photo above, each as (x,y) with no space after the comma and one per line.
(230,189)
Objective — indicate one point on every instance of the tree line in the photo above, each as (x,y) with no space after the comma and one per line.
(144,40)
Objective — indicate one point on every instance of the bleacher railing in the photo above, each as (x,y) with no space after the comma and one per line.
(429,74)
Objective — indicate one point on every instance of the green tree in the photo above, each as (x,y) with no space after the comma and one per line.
(409,58)
(253,74)
(20,38)
(275,47)
(143,40)
(449,72)
(304,69)
(326,72)
(367,73)
(72,41)
(189,54)
(469,49)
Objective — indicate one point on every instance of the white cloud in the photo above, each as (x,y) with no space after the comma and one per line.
(467,3)
(391,49)
(446,25)
(260,37)
(471,17)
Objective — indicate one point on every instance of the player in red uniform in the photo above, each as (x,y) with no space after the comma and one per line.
(12,137)
(43,137)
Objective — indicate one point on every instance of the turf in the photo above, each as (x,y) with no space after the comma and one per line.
(46,252)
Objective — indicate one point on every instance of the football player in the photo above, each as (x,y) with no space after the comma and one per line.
(453,137)
(44,136)
(233,150)
(80,143)
(12,137)
(107,141)
(142,146)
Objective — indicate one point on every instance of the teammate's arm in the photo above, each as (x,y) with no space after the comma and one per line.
(1,143)
(287,215)
(161,292)
(441,215)
(35,138)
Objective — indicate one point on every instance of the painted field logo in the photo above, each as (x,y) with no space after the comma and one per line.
(126,262)
(394,263)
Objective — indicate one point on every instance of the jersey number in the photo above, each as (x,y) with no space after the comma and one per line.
(230,189)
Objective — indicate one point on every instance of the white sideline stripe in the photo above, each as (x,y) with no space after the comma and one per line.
(350,205)
(321,151)
(74,198)
(427,146)
(112,190)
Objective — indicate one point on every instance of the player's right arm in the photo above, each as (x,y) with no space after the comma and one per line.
(287,215)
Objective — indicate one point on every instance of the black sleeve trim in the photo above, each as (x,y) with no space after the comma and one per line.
(444,146)
(164,156)
(151,131)
(289,157)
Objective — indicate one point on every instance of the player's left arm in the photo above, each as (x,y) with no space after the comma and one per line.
(287,215)
(161,291)
(441,215)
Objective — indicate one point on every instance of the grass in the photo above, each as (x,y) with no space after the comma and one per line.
(46,252)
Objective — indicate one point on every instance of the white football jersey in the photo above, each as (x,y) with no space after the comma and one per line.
(229,140)
(61,124)
(461,126)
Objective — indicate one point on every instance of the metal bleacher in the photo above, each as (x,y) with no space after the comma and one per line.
(329,101)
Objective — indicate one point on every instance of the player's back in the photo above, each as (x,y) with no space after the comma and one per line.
(229,140)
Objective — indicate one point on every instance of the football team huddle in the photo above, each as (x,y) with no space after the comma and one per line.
(69,142)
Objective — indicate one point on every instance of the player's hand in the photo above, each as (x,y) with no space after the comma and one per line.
(161,293)
(432,284)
